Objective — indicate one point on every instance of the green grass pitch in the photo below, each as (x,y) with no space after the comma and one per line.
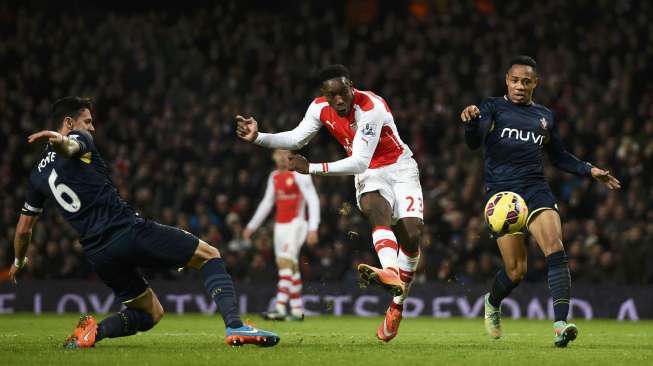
(197,340)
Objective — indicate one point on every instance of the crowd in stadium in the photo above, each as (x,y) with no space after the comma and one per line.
(167,86)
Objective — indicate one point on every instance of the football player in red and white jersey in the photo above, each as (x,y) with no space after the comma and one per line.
(388,190)
(290,192)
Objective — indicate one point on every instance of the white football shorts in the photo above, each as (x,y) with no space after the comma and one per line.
(398,183)
(289,238)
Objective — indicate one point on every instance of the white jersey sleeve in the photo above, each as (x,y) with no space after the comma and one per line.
(264,207)
(368,132)
(296,138)
(305,183)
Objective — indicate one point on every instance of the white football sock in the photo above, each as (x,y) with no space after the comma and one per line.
(283,289)
(385,244)
(296,304)
(407,266)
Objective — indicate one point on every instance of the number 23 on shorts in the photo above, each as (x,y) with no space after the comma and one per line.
(415,206)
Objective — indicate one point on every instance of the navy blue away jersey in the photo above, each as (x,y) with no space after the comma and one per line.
(82,190)
(515,138)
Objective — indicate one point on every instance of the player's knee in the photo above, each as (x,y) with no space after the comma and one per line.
(156,312)
(517,270)
(376,216)
(283,263)
(414,237)
(212,252)
(205,252)
(157,315)
(552,245)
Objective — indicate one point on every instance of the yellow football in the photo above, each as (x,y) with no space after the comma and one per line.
(506,213)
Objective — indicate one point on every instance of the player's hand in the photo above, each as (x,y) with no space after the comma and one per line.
(52,136)
(246,128)
(247,234)
(298,163)
(13,272)
(469,113)
(312,238)
(606,178)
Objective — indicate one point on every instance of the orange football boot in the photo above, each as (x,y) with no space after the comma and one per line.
(387,278)
(84,333)
(390,326)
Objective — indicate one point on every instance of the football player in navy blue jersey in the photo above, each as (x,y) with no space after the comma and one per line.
(516,133)
(116,240)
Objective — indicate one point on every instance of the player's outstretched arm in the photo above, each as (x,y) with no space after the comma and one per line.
(22,240)
(566,161)
(63,145)
(247,129)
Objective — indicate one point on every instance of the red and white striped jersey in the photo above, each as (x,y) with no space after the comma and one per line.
(368,135)
(290,192)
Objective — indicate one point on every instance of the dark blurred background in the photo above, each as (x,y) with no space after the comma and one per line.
(168,81)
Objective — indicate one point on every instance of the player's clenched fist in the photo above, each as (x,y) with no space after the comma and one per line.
(246,128)
(469,113)
(298,163)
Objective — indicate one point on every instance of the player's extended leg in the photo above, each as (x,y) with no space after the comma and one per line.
(379,213)
(220,287)
(409,232)
(141,315)
(284,287)
(546,228)
(513,252)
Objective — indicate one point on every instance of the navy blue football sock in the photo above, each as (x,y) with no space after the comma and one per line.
(559,283)
(501,287)
(220,287)
(124,323)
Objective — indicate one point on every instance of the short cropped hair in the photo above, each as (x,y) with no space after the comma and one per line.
(333,71)
(523,60)
(70,106)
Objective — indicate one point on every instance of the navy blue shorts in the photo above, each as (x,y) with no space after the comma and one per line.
(538,198)
(145,244)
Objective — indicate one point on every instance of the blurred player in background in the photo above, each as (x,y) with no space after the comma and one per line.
(516,133)
(116,240)
(388,189)
(290,192)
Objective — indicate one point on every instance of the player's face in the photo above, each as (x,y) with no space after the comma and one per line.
(521,80)
(280,158)
(84,121)
(339,93)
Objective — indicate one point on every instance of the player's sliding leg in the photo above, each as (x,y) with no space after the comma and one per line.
(379,213)
(409,232)
(284,286)
(141,314)
(547,231)
(513,252)
(220,287)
